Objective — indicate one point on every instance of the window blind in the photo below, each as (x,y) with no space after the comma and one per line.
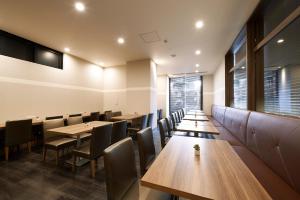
(185,92)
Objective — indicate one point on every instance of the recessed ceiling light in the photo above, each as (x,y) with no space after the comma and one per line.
(121,40)
(67,49)
(243,67)
(196,71)
(79,6)
(197,65)
(279,67)
(197,52)
(199,24)
(280,41)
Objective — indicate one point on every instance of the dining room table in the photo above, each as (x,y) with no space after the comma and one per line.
(214,172)
(202,127)
(77,130)
(127,117)
(195,118)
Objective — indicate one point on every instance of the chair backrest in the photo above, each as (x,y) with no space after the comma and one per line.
(173,117)
(143,124)
(169,125)
(150,120)
(18,132)
(119,131)
(75,115)
(178,116)
(100,140)
(108,115)
(50,124)
(55,117)
(75,120)
(163,131)
(95,116)
(146,148)
(120,169)
(159,114)
(117,113)
(182,111)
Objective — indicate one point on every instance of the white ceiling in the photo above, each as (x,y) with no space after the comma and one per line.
(92,35)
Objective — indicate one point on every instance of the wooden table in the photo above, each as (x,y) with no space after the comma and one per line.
(218,173)
(196,113)
(195,118)
(127,117)
(199,128)
(78,129)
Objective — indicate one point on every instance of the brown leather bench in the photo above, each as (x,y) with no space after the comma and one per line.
(268,144)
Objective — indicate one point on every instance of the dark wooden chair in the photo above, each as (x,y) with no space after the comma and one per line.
(55,142)
(78,120)
(137,125)
(108,115)
(75,115)
(146,149)
(55,117)
(95,116)
(163,131)
(119,131)
(16,133)
(100,140)
(121,174)
(150,120)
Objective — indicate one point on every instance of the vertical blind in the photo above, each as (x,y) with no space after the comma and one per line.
(185,92)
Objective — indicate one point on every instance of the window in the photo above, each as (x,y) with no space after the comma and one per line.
(185,92)
(240,77)
(281,66)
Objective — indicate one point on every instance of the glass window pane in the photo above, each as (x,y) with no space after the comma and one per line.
(276,11)
(185,92)
(281,61)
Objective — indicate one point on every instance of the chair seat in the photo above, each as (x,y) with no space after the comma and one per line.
(60,143)
(83,136)
(138,192)
(83,151)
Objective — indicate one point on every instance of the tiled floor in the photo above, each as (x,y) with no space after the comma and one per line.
(27,177)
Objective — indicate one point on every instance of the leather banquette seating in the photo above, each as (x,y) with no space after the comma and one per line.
(268,144)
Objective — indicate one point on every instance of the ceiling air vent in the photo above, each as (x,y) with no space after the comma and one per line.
(150,37)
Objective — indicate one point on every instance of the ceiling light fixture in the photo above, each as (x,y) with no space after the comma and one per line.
(79,6)
(243,67)
(121,40)
(67,49)
(197,52)
(280,41)
(197,65)
(199,24)
(196,71)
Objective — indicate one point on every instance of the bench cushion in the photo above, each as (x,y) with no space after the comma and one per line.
(226,135)
(218,113)
(236,121)
(275,185)
(276,141)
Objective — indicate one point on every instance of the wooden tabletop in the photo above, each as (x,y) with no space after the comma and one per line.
(127,117)
(197,118)
(193,113)
(218,173)
(78,129)
(199,123)
(199,128)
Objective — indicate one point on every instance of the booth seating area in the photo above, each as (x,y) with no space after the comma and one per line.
(268,145)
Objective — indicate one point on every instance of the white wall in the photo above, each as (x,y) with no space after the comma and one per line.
(219,85)
(162,93)
(131,88)
(208,93)
(29,89)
